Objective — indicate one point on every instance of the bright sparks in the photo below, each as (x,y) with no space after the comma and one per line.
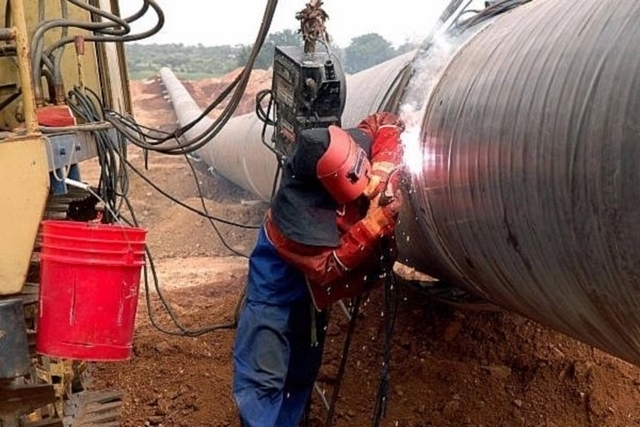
(413,158)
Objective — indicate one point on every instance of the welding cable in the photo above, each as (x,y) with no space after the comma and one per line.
(9,99)
(391,302)
(116,29)
(208,134)
(260,112)
(96,12)
(184,205)
(236,89)
(37,45)
(205,210)
(113,183)
(150,266)
(83,107)
(131,124)
(488,13)
(37,55)
(7,50)
(445,16)
(58,81)
(114,178)
(150,269)
(131,129)
(182,329)
(353,316)
(115,36)
(264,117)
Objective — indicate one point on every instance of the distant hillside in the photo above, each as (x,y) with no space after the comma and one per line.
(190,62)
(198,62)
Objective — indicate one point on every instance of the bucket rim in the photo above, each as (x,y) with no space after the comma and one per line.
(90,240)
(100,262)
(91,225)
(123,251)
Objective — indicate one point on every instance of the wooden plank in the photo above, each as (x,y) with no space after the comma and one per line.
(25,398)
(89,409)
(104,397)
(57,422)
(83,421)
(96,408)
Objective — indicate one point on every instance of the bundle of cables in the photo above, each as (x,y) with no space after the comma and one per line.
(479,16)
(176,143)
(107,27)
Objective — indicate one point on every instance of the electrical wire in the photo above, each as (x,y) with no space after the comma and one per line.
(264,117)
(114,180)
(151,269)
(176,142)
(182,329)
(204,209)
(114,185)
(391,302)
(111,28)
(184,205)
(485,14)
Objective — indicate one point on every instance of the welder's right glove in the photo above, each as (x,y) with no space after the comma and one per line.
(379,179)
(386,157)
(380,220)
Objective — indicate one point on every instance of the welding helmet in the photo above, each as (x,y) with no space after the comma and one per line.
(344,168)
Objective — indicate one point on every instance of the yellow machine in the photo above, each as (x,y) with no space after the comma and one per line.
(49,48)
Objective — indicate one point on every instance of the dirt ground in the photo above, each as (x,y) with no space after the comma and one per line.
(450,367)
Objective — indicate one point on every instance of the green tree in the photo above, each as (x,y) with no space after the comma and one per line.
(190,62)
(264,60)
(366,51)
(406,47)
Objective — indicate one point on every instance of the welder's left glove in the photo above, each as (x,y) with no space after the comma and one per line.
(381,219)
(386,158)
(372,123)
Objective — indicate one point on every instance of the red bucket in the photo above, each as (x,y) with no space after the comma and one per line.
(89,283)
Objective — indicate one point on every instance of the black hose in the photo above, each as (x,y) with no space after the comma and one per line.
(236,89)
(115,29)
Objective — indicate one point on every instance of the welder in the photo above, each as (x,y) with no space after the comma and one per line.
(321,242)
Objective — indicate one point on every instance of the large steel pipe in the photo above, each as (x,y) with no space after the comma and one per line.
(237,152)
(529,190)
(527,185)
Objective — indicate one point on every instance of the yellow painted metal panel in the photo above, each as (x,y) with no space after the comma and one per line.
(112,76)
(24,187)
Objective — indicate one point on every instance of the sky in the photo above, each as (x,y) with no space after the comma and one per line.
(232,22)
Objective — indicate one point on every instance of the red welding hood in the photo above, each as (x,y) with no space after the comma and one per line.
(344,168)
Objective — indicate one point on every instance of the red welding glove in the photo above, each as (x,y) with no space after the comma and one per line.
(386,157)
(380,220)
(381,172)
(372,123)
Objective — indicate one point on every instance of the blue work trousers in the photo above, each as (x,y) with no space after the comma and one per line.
(278,344)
